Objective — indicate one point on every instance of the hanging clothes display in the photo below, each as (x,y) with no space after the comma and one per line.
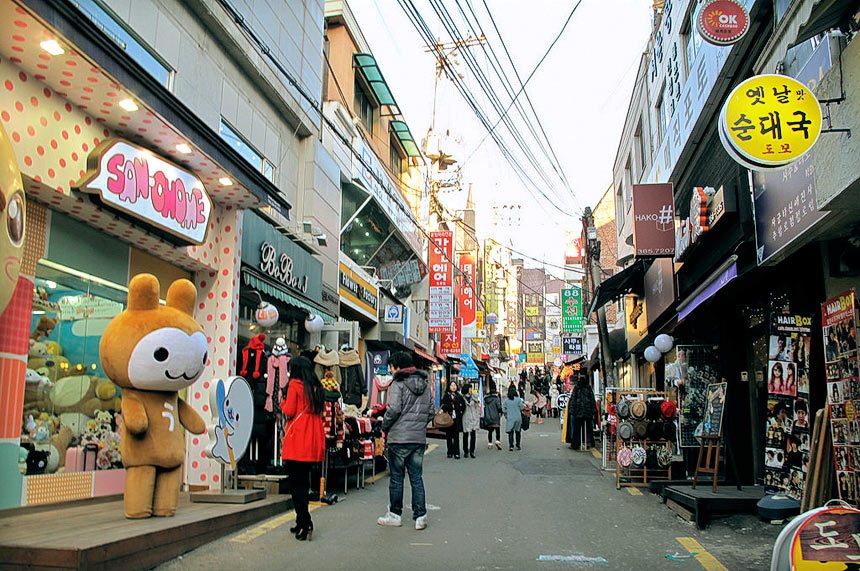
(379,376)
(253,367)
(278,373)
(326,364)
(352,382)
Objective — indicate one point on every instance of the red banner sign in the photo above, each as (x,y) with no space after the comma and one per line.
(466,292)
(451,341)
(441,256)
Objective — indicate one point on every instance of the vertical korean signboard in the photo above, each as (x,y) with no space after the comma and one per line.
(452,340)
(571,310)
(466,294)
(839,321)
(441,311)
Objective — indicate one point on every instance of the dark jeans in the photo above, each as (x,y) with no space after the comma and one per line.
(490,431)
(299,480)
(581,424)
(453,438)
(403,458)
(519,434)
(469,442)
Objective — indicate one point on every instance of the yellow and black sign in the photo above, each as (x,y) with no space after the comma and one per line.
(358,293)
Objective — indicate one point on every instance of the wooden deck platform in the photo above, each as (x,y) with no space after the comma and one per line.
(98,536)
(702,504)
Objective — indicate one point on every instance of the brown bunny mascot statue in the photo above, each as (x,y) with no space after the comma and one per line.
(152,352)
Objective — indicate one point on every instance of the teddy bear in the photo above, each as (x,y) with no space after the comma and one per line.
(152,352)
(44,327)
(41,360)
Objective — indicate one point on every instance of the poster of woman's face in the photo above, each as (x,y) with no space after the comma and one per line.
(837,411)
(780,412)
(774,458)
(848,367)
(844,457)
(836,392)
(854,432)
(802,380)
(840,431)
(782,378)
(845,481)
(780,348)
(801,416)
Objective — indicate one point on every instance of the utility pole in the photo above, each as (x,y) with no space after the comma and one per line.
(593,260)
(443,51)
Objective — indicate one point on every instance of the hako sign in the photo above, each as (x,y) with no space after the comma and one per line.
(723,22)
(137,182)
(653,220)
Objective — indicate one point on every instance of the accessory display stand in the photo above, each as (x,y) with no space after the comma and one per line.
(640,477)
(609,438)
(709,450)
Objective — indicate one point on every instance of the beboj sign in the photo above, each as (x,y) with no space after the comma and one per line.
(653,220)
(146,187)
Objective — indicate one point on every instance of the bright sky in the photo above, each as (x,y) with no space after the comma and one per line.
(581,93)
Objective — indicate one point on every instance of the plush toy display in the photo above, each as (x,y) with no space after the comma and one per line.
(43,328)
(152,352)
(13,211)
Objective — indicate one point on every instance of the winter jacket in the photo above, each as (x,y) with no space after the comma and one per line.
(304,437)
(410,408)
(582,404)
(472,414)
(513,413)
(493,410)
(352,381)
(455,405)
(553,397)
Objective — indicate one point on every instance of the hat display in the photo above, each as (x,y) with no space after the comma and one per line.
(669,431)
(638,408)
(640,428)
(625,430)
(653,410)
(664,456)
(655,430)
(624,457)
(622,409)
(668,409)
(639,456)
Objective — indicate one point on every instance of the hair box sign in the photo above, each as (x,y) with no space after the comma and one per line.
(143,185)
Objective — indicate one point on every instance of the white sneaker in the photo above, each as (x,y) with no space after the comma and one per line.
(421,523)
(489,446)
(390,519)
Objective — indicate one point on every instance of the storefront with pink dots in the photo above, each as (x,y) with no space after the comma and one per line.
(113,188)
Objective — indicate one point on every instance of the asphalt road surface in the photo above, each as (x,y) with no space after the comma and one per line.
(545,507)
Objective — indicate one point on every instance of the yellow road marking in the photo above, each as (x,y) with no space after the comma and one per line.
(634,491)
(705,559)
(430,449)
(267,526)
(596,453)
(379,476)
(422,544)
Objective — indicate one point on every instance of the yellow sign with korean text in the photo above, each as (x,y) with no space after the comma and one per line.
(532,311)
(770,120)
(479,320)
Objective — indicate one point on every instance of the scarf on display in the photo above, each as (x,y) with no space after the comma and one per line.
(380,389)
(329,383)
(349,358)
(256,343)
(328,358)
(280,365)
(333,422)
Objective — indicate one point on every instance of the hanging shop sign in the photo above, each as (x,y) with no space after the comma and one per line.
(653,220)
(441,310)
(137,182)
(532,311)
(468,369)
(714,284)
(466,299)
(273,255)
(659,288)
(635,323)
(571,307)
(839,322)
(358,292)
(534,335)
(452,340)
(707,208)
(723,22)
(571,346)
(394,313)
(769,121)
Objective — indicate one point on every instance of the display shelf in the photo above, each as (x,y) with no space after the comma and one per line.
(640,477)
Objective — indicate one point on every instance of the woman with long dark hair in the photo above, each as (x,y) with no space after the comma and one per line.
(304,438)
(454,404)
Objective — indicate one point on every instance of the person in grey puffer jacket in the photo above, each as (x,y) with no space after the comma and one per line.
(410,409)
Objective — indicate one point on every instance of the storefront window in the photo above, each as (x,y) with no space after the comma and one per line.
(71,409)
(244,148)
(365,234)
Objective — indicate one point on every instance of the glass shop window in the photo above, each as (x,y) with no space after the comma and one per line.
(248,152)
(71,409)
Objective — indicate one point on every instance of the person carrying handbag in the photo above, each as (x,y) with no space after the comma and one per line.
(513,408)
(493,416)
(455,405)
(471,420)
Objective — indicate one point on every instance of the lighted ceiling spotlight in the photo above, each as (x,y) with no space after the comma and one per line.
(51,284)
(226,181)
(128,104)
(183,148)
(53,47)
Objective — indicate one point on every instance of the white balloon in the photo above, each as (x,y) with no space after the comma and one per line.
(664,343)
(267,314)
(652,354)
(314,324)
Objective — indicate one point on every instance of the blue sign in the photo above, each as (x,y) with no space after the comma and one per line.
(469,369)
(712,288)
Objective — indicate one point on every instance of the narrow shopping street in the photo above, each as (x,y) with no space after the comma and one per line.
(503,510)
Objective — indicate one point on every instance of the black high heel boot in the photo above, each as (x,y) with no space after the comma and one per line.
(295,529)
(305,533)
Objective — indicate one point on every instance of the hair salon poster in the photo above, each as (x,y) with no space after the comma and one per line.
(839,324)
(788,425)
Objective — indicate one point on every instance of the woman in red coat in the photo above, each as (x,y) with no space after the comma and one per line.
(304,438)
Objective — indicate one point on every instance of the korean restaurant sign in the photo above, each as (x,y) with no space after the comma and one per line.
(769,121)
(571,310)
(653,220)
(723,22)
(466,294)
(145,186)
(441,256)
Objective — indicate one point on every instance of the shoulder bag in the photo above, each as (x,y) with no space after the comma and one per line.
(442,419)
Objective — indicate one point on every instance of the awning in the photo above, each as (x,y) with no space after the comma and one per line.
(263,285)
(369,69)
(401,131)
(631,278)
(717,281)
(425,355)
(826,14)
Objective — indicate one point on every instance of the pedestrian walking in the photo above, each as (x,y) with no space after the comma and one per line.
(304,438)
(410,408)
(583,411)
(493,415)
(513,409)
(471,420)
(553,401)
(540,405)
(454,404)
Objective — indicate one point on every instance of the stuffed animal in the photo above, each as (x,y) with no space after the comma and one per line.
(57,450)
(37,349)
(152,352)
(37,387)
(43,361)
(13,211)
(84,394)
(43,328)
